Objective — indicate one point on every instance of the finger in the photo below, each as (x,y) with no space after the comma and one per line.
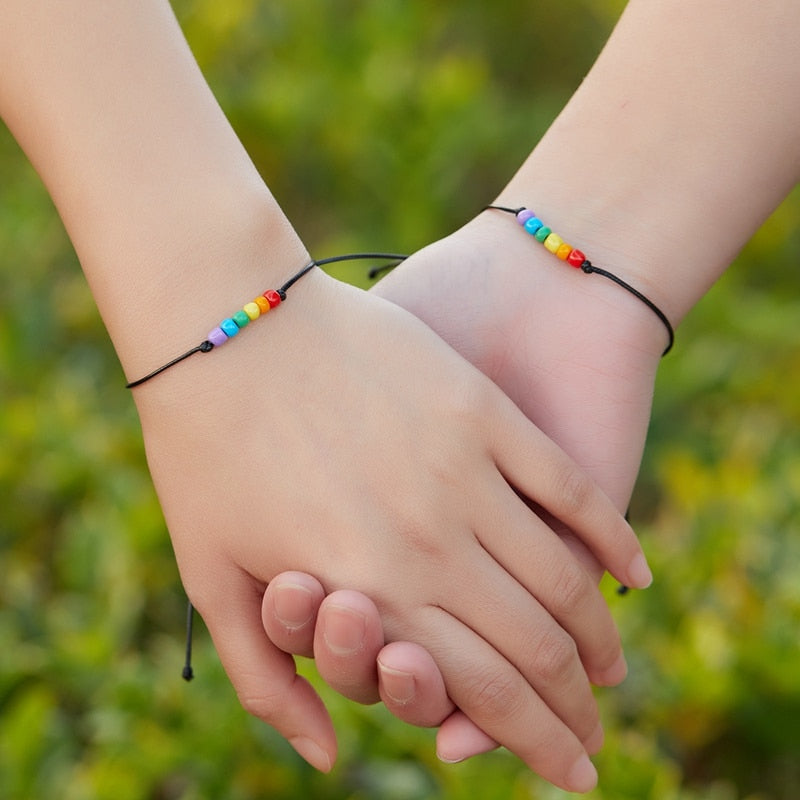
(348,638)
(264,677)
(413,689)
(500,701)
(544,565)
(411,686)
(289,611)
(530,641)
(459,738)
(538,468)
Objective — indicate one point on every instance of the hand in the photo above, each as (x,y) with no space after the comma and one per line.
(384,449)
(550,341)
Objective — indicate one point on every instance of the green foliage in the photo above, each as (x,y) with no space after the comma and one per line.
(387,125)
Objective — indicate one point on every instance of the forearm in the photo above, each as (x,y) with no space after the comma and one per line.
(680,142)
(170,220)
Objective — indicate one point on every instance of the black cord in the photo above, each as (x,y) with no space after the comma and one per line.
(188,672)
(203,347)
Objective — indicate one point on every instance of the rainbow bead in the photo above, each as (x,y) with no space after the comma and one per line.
(576,259)
(563,251)
(542,233)
(553,242)
(217,336)
(262,303)
(229,327)
(252,310)
(273,298)
(241,319)
(532,225)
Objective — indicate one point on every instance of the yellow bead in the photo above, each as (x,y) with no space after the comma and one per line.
(553,242)
(262,303)
(252,310)
(563,251)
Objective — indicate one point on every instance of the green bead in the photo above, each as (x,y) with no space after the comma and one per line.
(542,233)
(241,318)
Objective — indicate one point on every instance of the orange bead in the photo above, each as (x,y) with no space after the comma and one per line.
(563,251)
(262,303)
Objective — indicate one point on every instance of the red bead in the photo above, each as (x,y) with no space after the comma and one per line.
(273,298)
(576,258)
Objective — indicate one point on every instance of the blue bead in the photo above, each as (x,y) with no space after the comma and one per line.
(532,225)
(229,327)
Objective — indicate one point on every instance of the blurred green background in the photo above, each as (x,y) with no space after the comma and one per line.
(386,125)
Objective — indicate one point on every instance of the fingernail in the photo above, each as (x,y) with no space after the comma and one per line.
(639,572)
(312,753)
(344,630)
(399,686)
(615,674)
(293,605)
(449,759)
(583,776)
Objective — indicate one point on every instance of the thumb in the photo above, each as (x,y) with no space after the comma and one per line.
(264,677)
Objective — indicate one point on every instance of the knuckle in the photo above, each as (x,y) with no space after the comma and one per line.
(494,696)
(554,656)
(262,706)
(416,537)
(270,706)
(571,590)
(574,489)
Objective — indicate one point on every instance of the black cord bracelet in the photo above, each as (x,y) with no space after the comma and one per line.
(231,326)
(575,258)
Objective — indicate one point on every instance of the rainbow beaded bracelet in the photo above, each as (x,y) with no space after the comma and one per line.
(575,258)
(230,326)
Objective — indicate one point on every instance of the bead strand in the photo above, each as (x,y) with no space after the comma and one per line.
(552,241)
(230,326)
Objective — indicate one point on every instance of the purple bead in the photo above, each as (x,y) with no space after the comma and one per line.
(217,337)
(524,216)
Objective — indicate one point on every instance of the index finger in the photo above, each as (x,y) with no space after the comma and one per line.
(538,468)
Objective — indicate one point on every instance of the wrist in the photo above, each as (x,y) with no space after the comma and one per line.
(587,314)
(165,295)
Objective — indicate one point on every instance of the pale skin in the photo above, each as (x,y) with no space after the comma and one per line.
(680,142)
(266,459)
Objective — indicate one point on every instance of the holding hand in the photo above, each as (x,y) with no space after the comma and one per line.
(519,318)
(390,466)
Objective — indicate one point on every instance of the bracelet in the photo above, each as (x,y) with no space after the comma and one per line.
(575,258)
(270,299)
